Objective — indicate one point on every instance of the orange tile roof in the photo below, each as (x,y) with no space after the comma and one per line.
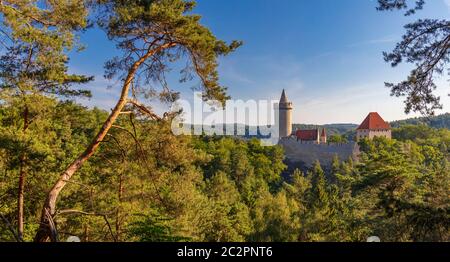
(374,121)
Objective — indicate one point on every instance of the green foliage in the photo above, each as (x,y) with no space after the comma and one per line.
(57,132)
(440,121)
(152,228)
(154,186)
(425,45)
(230,218)
(241,158)
(319,194)
(337,139)
(275,218)
(172,29)
(38,36)
(395,179)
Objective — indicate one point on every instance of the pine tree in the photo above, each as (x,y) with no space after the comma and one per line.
(426,45)
(151,36)
(230,218)
(319,194)
(37,37)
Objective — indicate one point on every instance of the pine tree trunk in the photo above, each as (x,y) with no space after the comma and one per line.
(20,198)
(118,213)
(86,233)
(44,231)
(21,187)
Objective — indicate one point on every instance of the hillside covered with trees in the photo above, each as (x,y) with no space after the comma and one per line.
(440,121)
(145,184)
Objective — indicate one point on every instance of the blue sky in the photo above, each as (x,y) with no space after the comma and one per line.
(327,54)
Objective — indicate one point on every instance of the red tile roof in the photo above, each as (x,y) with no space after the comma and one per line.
(307,135)
(374,121)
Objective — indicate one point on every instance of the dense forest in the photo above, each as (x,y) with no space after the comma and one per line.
(145,184)
(122,175)
(440,121)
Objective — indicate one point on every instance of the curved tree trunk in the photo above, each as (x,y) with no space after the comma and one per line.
(45,229)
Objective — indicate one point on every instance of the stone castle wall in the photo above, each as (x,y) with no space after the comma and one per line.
(373,133)
(307,154)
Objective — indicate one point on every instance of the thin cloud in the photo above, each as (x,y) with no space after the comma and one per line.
(382,40)
(229,71)
(102,96)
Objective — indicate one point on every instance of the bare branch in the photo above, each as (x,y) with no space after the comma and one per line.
(144,109)
(11,229)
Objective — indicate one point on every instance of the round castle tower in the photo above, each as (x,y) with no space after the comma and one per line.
(285,116)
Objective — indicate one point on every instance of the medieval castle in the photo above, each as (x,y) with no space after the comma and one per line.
(306,146)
